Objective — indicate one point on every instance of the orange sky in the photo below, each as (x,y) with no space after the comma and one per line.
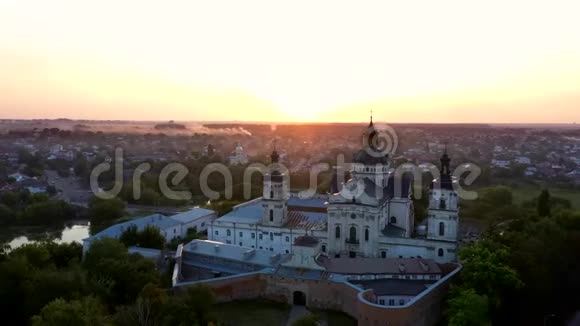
(410,61)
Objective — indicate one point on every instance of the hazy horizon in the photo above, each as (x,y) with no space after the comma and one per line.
(258,61)
(378,122)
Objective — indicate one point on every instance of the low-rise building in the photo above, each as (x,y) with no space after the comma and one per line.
(504,164)
(171,227)
(530,171)
(523,160)
(198,218)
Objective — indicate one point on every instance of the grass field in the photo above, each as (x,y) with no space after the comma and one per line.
(526,192)
(252,312)
(337,318)
(267,313)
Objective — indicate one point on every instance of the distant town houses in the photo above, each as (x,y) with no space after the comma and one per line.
(18,177)
(532,153)
(523,160)
(504,164)
(530,171)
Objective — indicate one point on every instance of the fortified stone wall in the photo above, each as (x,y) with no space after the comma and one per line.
(325,294)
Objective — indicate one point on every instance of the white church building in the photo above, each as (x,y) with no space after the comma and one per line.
(371,216)
(238,156)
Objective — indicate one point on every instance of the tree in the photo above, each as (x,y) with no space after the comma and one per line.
(10,199)
(121,276)
(36,255)
(130,237)
(192,234)
(33,275)
(467,308)
(53,212)
(103,213)
(14,275)
(147,310)
(64,254)
(7,215)
(105,248)
(150,197)
(81,166)
(151,237)
(85,312)
(556,203)
(486,270)
(47,284)
(569,220)
(544,205)
(190,308)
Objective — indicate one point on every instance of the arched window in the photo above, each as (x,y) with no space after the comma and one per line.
(337,232)
(383,254)
(440,252)
(271,194)
(229,233)
(271,215)
(393,220)
(442,204)
(366,234)
(441,229)
(352,233)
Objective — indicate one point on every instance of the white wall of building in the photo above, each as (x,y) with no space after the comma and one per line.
(201,224)
(277,240)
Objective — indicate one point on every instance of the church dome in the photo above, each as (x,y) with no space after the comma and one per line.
(363,157)
(372,152)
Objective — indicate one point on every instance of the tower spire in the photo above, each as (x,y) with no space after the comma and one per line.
(371,123)
(274,156)
(445,160)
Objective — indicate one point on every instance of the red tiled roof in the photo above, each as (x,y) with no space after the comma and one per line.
(308,209)
(298,220)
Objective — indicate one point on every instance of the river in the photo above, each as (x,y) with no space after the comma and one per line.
(70,233)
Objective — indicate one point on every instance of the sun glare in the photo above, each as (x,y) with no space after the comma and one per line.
(279,62)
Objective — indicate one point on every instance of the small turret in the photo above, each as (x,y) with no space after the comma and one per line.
(445,180)
(443,215)
(445,160)
(275,157)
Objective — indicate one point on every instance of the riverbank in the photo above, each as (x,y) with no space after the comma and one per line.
(74,230)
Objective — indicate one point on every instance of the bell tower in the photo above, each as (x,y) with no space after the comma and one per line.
(443,215)
(275,195)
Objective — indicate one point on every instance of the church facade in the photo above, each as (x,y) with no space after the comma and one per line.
(371,216)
